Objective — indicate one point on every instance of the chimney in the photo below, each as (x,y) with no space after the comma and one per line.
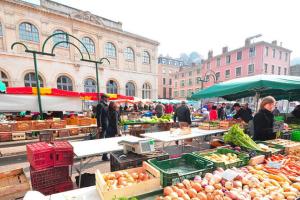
(247,42)
(281,44)
(193,64)
(224,49)
(274,42)
(210,54)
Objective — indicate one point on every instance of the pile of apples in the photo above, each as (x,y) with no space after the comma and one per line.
(250,184)
(122,179)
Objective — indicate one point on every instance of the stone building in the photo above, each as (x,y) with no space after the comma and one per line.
(133,58)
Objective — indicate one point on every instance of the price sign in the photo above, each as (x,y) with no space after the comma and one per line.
(229,174)
(275,165)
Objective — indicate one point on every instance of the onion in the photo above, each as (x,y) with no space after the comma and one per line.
(217,178)
(208,176)
(197,178)
(228,185)
(202,196)
(209,188)
(173,195)
(167,190)
(197,187)
(192,193)
(237,184)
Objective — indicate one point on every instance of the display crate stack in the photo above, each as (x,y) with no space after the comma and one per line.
(50,165)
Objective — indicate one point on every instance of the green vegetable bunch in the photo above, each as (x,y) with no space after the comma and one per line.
(237,136)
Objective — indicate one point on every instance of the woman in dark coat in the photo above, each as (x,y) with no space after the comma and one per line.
(263,120)
(113,120)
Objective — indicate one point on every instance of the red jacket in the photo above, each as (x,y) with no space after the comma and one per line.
(168,109)
(213,115)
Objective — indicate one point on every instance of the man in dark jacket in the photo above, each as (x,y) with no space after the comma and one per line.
(221,112)
(241,113)
(102,118)
(183,114)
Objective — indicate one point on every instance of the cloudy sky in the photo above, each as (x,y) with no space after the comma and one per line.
(198,25)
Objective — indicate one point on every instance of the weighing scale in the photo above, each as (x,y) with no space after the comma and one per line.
(143,146)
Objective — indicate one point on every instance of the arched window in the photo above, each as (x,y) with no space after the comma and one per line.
(64,83)
(111,87)
(28,32)
(1,31)
(4,78)
(30,81)
(110,50)
(89,85)
(129,55)
(146,57)
(146,91)
(89,44)
(60,38)
(130,89)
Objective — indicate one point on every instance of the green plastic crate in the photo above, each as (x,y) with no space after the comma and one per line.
(295,135)
(244,158)
(279,148)
(185,167)
(279,118)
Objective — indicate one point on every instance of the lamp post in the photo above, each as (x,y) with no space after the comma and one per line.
(43,52)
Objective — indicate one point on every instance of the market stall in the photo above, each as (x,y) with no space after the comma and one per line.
(166,137)
(242,169)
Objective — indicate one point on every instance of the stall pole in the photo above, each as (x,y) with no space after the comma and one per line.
(37,85)
(97,80)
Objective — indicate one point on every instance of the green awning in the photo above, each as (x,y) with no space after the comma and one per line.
(281,87)
(2,87)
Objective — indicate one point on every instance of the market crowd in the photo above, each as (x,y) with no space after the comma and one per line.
(260,124)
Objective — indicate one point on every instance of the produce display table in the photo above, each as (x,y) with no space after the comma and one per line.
(88,193)
(166,137)
(90,148)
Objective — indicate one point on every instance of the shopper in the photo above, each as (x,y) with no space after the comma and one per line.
(183,115)
(113,120)
(222,112)
(296,111)
(102,119)
(241,113)
(276,111)
(246,107)
(263,120)
(213,115)
(205,115)
(168,109)
(159,109)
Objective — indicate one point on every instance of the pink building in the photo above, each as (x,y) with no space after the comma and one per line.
(251,59)
(186,81)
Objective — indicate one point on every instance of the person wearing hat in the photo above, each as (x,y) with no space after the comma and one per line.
(241,113)
(102,118)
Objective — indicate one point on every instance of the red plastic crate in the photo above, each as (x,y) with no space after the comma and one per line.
(46,191)
(40,155)
(5,136)
(63,153)
(66,186)
(48,177)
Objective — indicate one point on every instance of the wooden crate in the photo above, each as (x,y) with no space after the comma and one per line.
(291,147)
(135,189)
(63,133)
(6,127)
(22,126)
(93,120)
(74,131)
(72,121)
(85,121)
(58,124)
(18,136)
(40,125)
(207,126)
(227,124)
(13,184)
(5,136)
